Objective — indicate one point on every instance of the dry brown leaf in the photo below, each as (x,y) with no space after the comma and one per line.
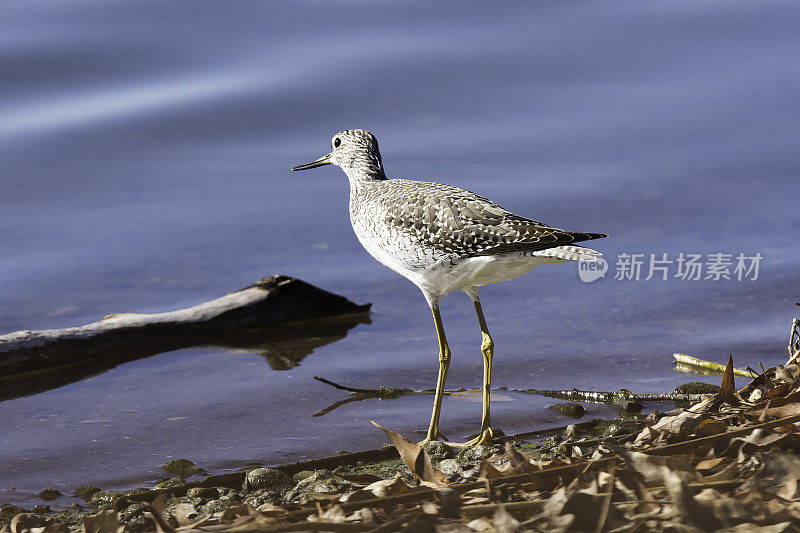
(759,438)
(724,507)
(710,427)
(727,389)
(651,467)
(27,521)
(585,504)
(777,510)
(777,392)
(786,400)
(729,473)
(710,464)
(104,522)
(789,488)
(782,411)
(644,500)
(488,471)
(480,524)
(384,488)
(233,513)
(503,522)
(519,464)
(473,501)
(686,506)
(416,458)
(184,513)
(334,514)
(755,528)
(270,510)
(778,474)
(679,425)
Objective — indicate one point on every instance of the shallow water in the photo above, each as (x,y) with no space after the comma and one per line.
(145,168)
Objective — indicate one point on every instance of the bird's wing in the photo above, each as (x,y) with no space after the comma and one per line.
(456,220)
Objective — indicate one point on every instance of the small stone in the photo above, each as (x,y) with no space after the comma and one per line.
(300,476)
(259,498)
(133,511)
(85,492)
(633,407)
(439,450)
(230,479)
(170,484)
(141,494)
(108,500)
(266,478)
(9,511)
(203,492)
(653,417)
(138,522)
(41,509)
(471,454)
(450,468)
(327,485)
(50,494)
(183,468)
(181,511)
(570,409)
(323,481)
(697,387)
(217,506)
(27,521)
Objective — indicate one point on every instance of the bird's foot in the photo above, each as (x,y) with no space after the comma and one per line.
(433,438)
(484,438)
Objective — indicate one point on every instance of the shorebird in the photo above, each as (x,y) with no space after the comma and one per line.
(443,238)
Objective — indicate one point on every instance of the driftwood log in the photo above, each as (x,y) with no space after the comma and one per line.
(280,317)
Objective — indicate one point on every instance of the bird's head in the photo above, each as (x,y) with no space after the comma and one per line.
(354,151)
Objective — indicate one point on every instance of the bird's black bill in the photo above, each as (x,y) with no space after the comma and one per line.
(324,160)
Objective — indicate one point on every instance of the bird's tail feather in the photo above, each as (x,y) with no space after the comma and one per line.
(571,253)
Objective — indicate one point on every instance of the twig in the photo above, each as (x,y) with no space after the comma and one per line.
(485,509)
(392,525)
(345,387)
(622,396)
(794,341)
(384,393)
(336,405)
(314,526)
(601,522)
(684,361)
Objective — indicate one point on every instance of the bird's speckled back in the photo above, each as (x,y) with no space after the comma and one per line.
(441,220)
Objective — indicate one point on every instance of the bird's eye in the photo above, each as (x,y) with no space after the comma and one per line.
(337,142)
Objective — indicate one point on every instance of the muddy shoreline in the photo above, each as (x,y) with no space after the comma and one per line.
(298,483)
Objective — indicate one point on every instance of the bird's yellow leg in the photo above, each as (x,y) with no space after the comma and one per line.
(486,433)
(444,365)
(487,348)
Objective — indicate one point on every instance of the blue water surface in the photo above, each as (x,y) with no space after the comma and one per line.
(145,167)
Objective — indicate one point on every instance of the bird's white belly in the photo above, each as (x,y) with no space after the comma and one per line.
(484,270)
(438,274)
